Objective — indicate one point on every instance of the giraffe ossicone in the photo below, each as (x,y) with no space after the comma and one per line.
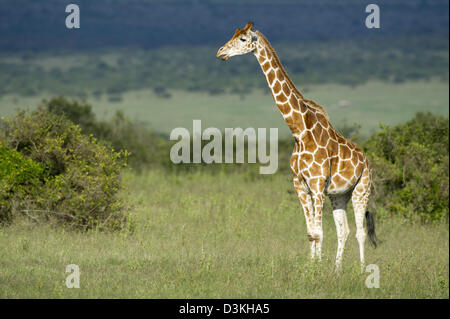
(323,162)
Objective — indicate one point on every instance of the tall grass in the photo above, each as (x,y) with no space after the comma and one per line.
(218,236)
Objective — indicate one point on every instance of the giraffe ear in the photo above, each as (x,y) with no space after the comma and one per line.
(254,36)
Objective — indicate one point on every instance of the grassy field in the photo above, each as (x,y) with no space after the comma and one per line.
(367,105)
(218,236)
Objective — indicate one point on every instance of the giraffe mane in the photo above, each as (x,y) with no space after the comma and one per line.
(309,103)
(317,107)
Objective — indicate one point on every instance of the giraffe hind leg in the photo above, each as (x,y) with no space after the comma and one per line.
(360,199)
(339,205)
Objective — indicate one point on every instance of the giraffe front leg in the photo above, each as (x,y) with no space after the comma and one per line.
(317,187)
(306,201)
(318,232)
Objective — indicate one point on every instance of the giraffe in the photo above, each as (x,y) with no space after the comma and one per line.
(323,162)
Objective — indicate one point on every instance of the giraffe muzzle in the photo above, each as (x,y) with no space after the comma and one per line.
(221,55)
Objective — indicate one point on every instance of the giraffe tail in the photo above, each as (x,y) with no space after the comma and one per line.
(370,222)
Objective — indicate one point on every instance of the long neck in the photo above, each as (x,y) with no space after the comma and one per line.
(286,95)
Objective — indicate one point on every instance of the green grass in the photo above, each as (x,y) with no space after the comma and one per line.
(218,236)
(367,105)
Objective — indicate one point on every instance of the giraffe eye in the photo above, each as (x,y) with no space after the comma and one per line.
(242,39)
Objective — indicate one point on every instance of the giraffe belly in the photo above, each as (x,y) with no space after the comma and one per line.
(340,176)
(334,184)
(331,188)
(339,185)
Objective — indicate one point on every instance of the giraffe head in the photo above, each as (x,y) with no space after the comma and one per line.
(242,42)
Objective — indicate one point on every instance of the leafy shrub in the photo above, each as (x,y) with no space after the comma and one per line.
(17,175)
(78,176)
(411,168)
(76,111)
(145,148)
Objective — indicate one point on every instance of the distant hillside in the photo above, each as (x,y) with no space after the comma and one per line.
(39,25)
(196,68)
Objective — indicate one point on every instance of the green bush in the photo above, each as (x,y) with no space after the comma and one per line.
(145,148)
(17,175)
(78,112)
(64,176)
(411,168)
